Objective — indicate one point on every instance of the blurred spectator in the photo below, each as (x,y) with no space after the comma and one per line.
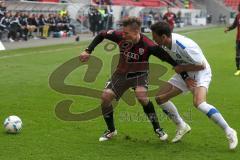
(43,26)
(52,24)
(145,19)
(103,2)
(209,18)
(179,19)
(110,21)
(31,24)
(5,21)
(158,17)
(100,19)
(4,26)
(71,27)
(93,20)
(149,20)
(170,17)
(222,19)
(15,28)
(186,4)
(124,12)
(22,26)
(2,9)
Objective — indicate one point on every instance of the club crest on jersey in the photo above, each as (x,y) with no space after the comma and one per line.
(141,51)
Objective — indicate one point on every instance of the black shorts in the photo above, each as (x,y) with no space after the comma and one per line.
(237,49)
(119,83)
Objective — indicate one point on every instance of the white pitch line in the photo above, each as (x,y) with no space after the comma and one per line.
(1,46)
(32,53)
(40,52)
(198,30)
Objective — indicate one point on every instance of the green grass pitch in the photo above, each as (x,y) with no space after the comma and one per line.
(25,92)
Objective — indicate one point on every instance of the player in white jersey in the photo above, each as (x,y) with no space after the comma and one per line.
(186,52)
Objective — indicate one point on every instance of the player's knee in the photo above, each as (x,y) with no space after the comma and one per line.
(143,100)
(197,102)
(106,97)
(160,100)
(141,96)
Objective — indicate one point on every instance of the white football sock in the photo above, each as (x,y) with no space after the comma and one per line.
(170,109)
(215,115)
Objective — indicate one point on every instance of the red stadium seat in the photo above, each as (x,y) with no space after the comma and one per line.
(232,3)
(143,3)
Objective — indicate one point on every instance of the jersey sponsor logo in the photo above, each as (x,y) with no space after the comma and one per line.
(124,49)
(131,55)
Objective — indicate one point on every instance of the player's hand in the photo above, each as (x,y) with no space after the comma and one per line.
(189,67)
(84,56)
(226,30)
(191,83)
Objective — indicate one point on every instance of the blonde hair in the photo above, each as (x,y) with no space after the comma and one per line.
(133,22)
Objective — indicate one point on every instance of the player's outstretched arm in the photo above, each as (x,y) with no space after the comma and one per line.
(158,52)
(188,68)
(98,39)
(109,34)
(234,25)
(161,54)
(226,30)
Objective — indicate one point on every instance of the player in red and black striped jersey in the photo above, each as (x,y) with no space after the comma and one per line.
(133,55)
(132,71)
(236,24)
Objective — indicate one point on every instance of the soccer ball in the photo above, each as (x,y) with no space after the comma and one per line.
(12,124)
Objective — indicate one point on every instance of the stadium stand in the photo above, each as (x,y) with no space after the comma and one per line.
(149,3)
(232,3)
(89,17)
(22,21)
(54,1)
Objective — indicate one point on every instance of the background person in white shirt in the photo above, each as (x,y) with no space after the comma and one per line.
(186,52)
